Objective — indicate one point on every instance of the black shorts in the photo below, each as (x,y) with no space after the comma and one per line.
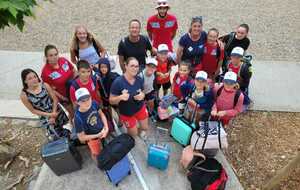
(150,96)
(165,86)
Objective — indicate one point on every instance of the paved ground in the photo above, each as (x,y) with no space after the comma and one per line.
(273,24)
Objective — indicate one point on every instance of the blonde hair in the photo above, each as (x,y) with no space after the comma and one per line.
(74,44)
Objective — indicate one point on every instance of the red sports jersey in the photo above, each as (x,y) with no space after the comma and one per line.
(162,67)
(234,69)
(91,88)
(57,78)
(210,58)
(177,82)
(162,30)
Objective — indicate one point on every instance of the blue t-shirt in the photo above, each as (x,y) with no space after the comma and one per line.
(131,106)
(89,121)
(192,50)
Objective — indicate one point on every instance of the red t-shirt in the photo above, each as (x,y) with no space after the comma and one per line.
(162,30)
(162,67)
(91,88)
(177,82)
(234,69)
(57,78)
(210,59)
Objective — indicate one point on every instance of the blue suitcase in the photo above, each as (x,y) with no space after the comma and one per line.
(158,156)
(119,171)
(182,128)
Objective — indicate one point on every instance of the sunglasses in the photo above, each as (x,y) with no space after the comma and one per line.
(197,18)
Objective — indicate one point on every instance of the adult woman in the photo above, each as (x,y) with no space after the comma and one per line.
(239,38)
(127,92)
(135,45)
(40,100)
(85,47)
(191,45)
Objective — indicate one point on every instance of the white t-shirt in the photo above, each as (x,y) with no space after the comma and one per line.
(148,81)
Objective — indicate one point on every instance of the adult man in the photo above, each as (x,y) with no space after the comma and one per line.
(162,26)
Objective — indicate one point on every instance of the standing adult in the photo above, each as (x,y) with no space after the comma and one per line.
(162,27)
(85,47)
(58,72)
(134,45)
(191,45)
(127,92)
(238,38)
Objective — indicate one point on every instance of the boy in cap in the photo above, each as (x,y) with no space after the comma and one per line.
(163,69)
(243,69)
(148,76)
(90,122)
(228,99)
(162,26)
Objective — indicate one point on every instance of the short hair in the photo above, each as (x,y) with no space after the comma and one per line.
(213,30)
(24,74)
(135,20)
(130,59)
(246,26)
(83,64)
(48,47)
(185,63)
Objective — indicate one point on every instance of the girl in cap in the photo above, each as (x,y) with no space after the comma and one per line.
(243,69)
(40,99)
(85,47)
(201,96)
(228,99)
(191,45)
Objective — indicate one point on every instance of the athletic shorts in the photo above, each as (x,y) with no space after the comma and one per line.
(150,96)
(131,121)
(165,86)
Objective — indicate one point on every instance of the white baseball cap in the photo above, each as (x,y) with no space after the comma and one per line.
(201,75)
(82,94)
(162,48)
(162,3)
(151,60)
(237,51)
(230,77)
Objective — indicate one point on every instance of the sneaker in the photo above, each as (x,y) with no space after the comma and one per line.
(143,136)
(68,126)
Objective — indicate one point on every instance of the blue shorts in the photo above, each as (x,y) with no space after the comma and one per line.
(150,96)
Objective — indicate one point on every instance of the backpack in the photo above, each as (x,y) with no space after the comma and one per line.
(207,174)
(94,45)
(114,151)
(231,37)
(236,96)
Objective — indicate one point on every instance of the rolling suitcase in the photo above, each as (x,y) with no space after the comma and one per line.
(158,156)
(61,156)
(182,127)
(119,171)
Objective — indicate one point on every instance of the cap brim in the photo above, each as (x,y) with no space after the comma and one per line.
(201,78)
(229,81)
(163,51)
(85,97)
(158,6)
(237,55)
(151,64)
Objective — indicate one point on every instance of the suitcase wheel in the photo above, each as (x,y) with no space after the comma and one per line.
(129,173)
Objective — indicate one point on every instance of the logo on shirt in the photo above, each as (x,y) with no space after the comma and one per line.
(169,24)
(92,119)
(190,49)
(155,25)
(55,75)
(214,52)
(65,66)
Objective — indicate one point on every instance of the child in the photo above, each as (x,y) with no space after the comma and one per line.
(85,80)
(243,70)
(228,99)
(163,69)
(105,79)
(201,96)
(182,81)
(148,76)
(213,54)
(90,122)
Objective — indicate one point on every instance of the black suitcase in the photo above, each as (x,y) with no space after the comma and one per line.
(61,156)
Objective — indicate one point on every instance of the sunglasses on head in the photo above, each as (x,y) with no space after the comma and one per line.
(162,3)
(197,18)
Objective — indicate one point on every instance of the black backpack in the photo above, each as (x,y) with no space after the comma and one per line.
(114,151)
(236,96)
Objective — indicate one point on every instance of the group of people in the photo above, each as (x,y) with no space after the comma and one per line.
(211,75)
